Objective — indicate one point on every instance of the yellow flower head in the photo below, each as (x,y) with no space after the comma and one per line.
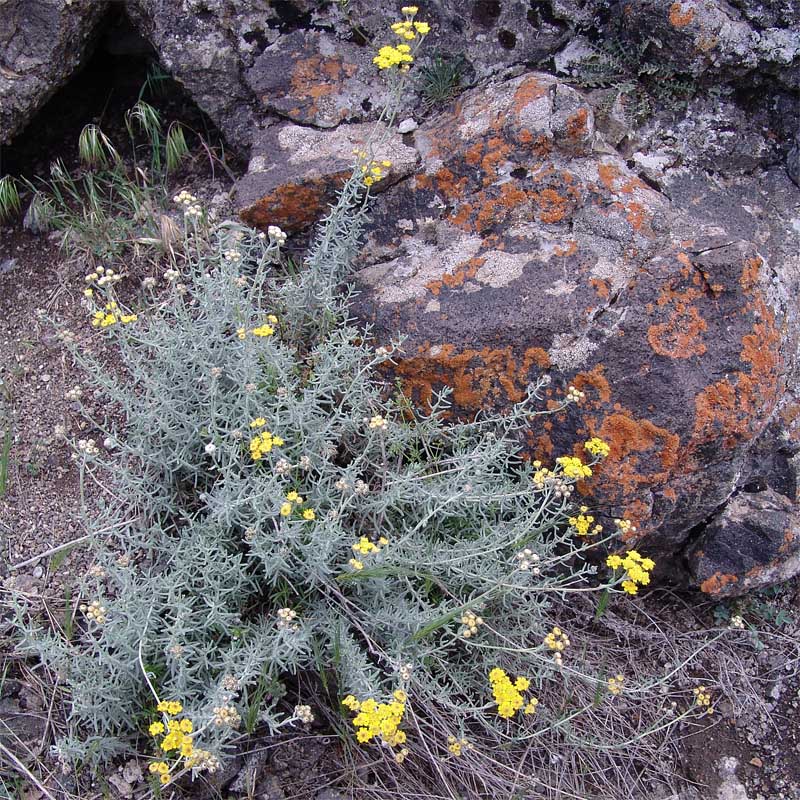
(286,509)
(156,728)
(597,447)
(637,570)
(507,694)
(573,467)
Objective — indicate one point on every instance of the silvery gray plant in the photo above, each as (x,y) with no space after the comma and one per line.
(196,559)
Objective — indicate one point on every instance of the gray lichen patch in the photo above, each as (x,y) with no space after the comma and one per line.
(407,277)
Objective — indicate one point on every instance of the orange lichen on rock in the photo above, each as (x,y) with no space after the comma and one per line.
(538,145)
(680,335)
(316,77)
(496,210)
(789,536)
(678,17)
(294,206)
(576,124)
(462,273)
(529,90)
(636,215)
(717,582)
(595,385)
(642,454)
(601,287)
(569,249)
(738,406)
(489,154)
(448,185)
(553,207)
(477,377)
(610,174)
(750,273)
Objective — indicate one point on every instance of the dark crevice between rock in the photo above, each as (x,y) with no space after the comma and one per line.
(486,12)
(288,17)
(695,534)
(121,69)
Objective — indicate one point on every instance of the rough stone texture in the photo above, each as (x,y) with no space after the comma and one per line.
(41,45)
(754,542)
(731,788)
(294,171)
(312,79)
(520,247)
(204,44)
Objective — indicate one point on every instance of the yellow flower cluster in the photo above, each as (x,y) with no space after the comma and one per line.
(615,684)
(111,316)
(177,737)
(375,719)
(637,569)
(365,547)
(262,443)
(541,475)
(457,746)
(293,499)
(389,57)
(508,694)
(703,698)
(265,329)
(597,447)
(408,29)
(573,467)
(583,523)
(373,172)
(160,768)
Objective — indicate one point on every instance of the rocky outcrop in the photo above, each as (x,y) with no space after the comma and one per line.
(518,249)
(41,46)
(640,246)
(750,545)
(294,172)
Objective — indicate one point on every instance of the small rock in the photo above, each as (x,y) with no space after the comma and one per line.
(731,787)
(407,125)
(756,762)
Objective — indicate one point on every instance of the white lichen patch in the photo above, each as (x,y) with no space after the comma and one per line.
(407,277)
(569,352)
(561,287)
(618,273)
(306,145)
(501,268)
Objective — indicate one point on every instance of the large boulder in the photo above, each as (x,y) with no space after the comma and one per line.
(41,46)
(521,247)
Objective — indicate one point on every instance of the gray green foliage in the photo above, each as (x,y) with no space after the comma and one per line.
(640,74)
(114,205)
(442,80)
(200,559)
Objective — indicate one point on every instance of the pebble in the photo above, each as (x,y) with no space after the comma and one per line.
(407,125)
